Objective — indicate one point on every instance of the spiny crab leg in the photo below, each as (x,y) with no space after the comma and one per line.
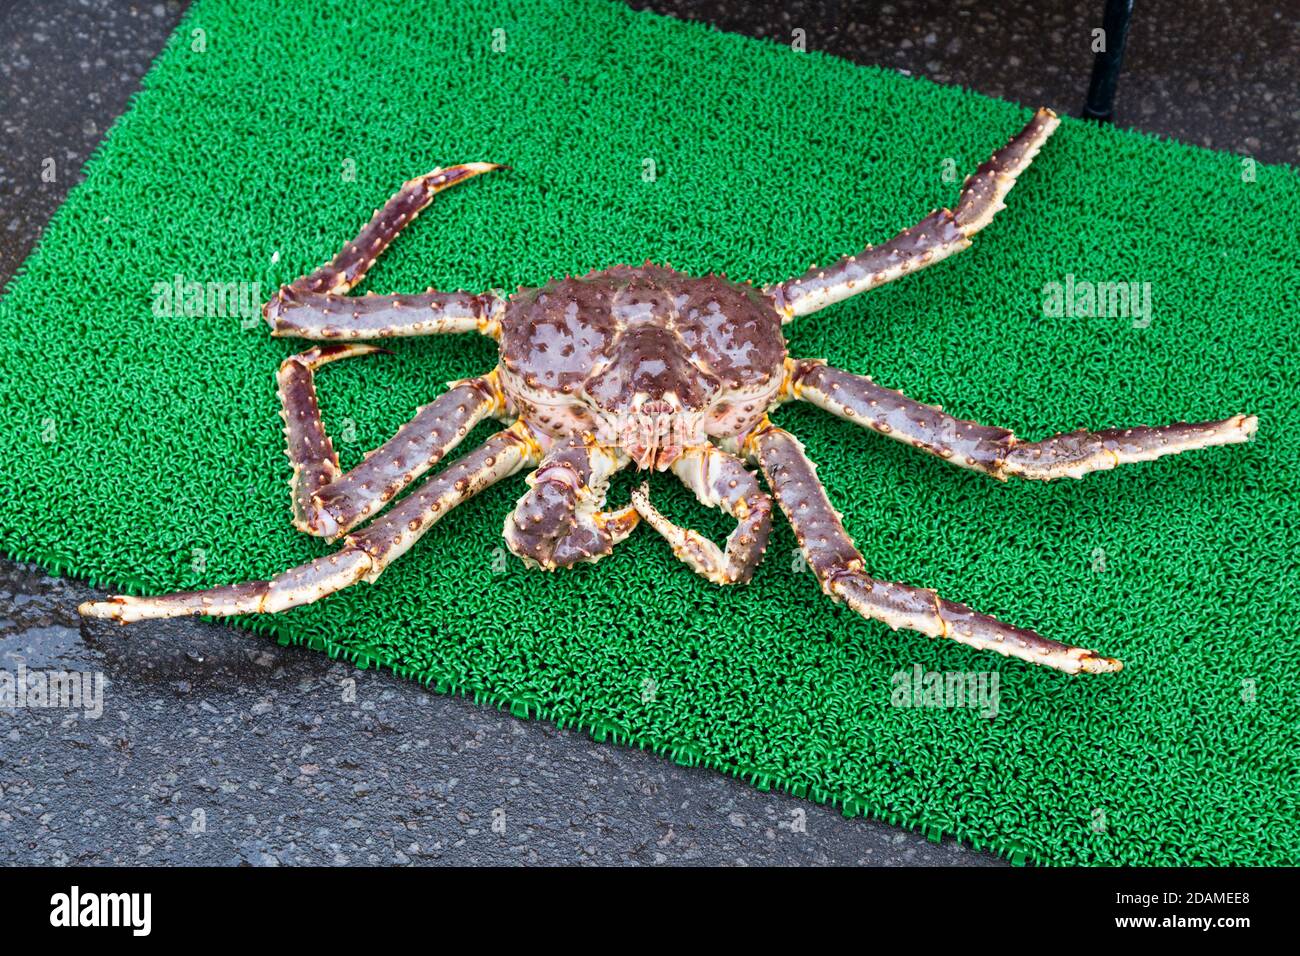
(315,462)
(328,504)
(317,306)
(559,522)
(936,237)
(839,567)
(364,555)
(417,446)
(996,451)
(317,315)
(719,480)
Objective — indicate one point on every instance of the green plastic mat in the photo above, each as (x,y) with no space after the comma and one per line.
(143,449)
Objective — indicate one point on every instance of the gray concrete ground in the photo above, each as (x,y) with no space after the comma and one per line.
(216,746)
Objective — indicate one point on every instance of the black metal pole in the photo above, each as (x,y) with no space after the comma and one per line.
(1100,104)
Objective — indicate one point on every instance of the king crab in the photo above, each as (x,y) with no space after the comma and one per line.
(645,366)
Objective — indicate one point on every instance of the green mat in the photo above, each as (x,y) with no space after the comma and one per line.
(144,451)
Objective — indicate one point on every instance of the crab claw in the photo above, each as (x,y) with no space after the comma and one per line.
(559,521)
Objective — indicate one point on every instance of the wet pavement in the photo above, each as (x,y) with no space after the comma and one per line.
(217,746)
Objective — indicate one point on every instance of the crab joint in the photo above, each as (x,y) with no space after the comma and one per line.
(520,432)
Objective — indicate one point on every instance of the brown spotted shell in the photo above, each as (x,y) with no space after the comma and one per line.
(628,338)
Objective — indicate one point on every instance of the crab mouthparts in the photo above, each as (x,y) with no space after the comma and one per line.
(654,435)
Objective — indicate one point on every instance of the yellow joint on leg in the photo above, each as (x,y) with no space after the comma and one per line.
(492,381)
(749,444)
(490,324)
(523,434)
(789,390)
(603,519)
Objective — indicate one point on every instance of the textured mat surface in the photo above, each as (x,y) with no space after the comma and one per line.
(144,449)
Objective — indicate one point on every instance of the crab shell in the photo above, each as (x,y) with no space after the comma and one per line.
(645,358)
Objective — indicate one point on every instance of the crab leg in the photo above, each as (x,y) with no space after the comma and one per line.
(936,237)
(364,556)
(719,480)
(559,522)
(839,567)
(996,451)
(328,503)
(325,316)
(316,306)
(315,462)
